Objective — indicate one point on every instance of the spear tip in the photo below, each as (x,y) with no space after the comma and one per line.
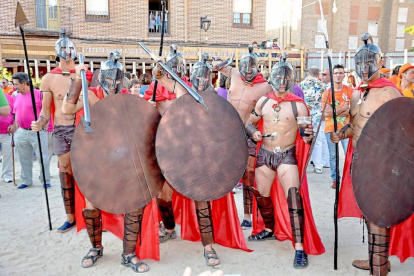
(20,18)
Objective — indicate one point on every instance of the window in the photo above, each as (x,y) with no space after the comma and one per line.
(399,45)
(373,28)
(400,30)
(47,14)
(320,41)
(402,14)
(353,43)
(97,10)
(242,13)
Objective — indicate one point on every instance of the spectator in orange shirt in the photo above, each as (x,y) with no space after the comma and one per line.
(385,73)
(394,77)
(343,95)
(7,89)
(406,83)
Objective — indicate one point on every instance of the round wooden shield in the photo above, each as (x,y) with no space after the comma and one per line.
(115,166)
(202,153)
(383,165)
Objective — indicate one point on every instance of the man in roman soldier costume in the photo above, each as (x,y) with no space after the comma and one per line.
(110,83)
(281,155)
(54,86)
(373,93)
(247,86)
(175,207)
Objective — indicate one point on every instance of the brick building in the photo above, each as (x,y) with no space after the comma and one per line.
(384,19)
(99,21)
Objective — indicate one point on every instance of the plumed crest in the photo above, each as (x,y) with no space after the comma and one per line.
(366,37)
(174,48)
(250,49)
(204,57)
(114,56)
(283,57)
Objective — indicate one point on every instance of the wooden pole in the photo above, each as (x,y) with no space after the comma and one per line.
(134,68)
(91,66)
(48,66)
(143,68)
(36,70)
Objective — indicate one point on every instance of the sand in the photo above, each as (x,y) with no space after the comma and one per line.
(27,247)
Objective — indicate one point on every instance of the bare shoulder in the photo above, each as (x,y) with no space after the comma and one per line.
(302,109)
(355,97)
(388,93)
(46,81)
(260,102)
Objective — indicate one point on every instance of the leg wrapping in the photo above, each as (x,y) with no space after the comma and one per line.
(265,205)
(167,214)
(297,219)
(93,219)
(248,183)
(378,244)
(68,192)
(132,230)
(205,222)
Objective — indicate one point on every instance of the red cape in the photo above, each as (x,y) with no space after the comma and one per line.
(148,245)
(312,242)
(226,224)
(401,240)
(162,93)
(257,79)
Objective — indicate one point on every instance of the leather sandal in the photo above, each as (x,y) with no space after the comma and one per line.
(94,258)
(208,255)
(364,265)
(262,236)
(164,235)
(127,261)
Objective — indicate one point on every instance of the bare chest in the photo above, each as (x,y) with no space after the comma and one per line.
(59,86)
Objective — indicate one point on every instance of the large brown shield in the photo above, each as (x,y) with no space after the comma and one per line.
(383,165)
(115,166)
(202,153)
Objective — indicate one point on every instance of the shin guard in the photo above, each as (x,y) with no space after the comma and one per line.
(248,183)
(265,205)
(68,192)
(93,219)
(297,218)
(132,230)
(378,244)
(205,222)
(167,214)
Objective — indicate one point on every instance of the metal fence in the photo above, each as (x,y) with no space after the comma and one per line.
(347,59)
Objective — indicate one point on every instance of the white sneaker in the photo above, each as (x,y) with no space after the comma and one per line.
(318,170)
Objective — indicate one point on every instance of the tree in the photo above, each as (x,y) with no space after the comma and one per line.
(409,30)
(5,74)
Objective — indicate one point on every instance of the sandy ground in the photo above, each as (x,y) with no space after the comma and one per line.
(27,247)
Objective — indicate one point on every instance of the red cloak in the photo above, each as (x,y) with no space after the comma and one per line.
(162,93)
(257,79)
(226,224)
(312,242)
(401,240)
(148,244)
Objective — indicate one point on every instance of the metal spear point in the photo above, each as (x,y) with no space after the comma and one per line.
(20,20)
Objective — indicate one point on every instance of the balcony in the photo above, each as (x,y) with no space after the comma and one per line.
(49,19)
(155,25)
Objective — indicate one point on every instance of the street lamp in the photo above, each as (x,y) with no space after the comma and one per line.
(205,23)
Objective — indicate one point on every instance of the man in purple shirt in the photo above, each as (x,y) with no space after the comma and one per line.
(222,91)
(298,91)
(25,139)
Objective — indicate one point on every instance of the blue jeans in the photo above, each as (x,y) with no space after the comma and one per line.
(331,147)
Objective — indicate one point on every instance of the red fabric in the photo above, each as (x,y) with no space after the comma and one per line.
(226,224)
(402,239)
(312,242)
(58,70)
(379,83)
(257,79)
(148,246)
(162,93)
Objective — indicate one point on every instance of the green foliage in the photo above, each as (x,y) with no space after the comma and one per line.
(409,30)
(5,74)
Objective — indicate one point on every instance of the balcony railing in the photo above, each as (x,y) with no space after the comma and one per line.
(52,17)
(154,22)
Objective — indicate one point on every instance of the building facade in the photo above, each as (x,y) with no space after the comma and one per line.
(233,22)
(384,19)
